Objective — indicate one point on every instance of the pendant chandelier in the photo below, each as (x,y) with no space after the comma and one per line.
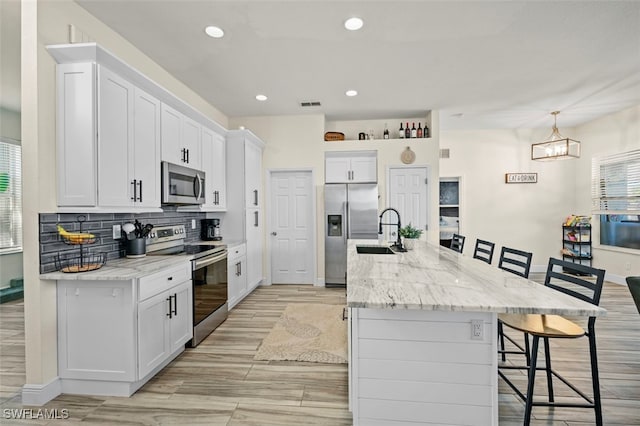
(556,147)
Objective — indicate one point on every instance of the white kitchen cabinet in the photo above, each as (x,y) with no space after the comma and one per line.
(351,167)
(164,325)
(115,335)
(244,199)
(108,140)
(180,138)
(129,139)
(214,166)
(237,274)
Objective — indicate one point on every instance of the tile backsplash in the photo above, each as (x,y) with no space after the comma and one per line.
(101,225)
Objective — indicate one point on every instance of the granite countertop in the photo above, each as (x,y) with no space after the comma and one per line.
(431,277)
(123,269)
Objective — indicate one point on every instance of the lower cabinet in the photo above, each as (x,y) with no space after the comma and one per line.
(164,325)
(237,274)
(114,335)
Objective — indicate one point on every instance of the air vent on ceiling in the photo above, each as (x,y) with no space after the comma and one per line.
(305,104)
(444,153)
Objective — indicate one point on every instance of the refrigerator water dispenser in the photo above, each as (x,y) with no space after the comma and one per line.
(334,225)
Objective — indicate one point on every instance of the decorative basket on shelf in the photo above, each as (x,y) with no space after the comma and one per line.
(333,136)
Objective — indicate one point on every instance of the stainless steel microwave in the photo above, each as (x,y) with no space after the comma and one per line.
(181,185)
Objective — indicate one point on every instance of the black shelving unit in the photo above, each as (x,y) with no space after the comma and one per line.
(576,244)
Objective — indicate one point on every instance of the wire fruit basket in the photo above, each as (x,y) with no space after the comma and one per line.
(80,262)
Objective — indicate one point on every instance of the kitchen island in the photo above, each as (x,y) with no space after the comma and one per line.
(422,335)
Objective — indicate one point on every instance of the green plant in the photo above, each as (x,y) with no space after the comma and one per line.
(410,232)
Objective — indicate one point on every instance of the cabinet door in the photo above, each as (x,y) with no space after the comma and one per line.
(337,170)
(153,333)
(364,169)
(237,279)
(171,135)
(96,330)
(253,173)
(213,164)
(76,134)
(146,155)
(191,142)
(181,315)
(254,227)
(115,140)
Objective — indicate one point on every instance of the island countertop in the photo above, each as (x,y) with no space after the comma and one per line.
(435,278)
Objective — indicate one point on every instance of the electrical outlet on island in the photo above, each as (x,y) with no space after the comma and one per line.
(193,224)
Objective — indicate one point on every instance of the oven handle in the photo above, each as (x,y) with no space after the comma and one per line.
(201,263)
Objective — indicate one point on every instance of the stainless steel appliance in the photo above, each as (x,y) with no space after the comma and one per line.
(209,275)
(351,211)
(181,185)
(210,230)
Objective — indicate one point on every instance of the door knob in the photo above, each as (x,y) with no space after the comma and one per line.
(274,233)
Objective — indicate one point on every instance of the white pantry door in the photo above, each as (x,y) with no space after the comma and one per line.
(408,195)
(292,227)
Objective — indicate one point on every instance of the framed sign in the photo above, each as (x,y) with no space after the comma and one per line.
(520,178)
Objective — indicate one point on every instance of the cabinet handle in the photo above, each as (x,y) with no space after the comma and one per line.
(255,197)
(135,189)
(184,155)
(140,198)
(255,214)
(187,156)
(215,198)
(169,300)
(170,279)
(237,269)
(175,304)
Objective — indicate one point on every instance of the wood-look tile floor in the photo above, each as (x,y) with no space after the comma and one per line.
(219,383)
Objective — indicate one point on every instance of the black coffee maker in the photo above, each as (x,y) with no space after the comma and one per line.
(210,230)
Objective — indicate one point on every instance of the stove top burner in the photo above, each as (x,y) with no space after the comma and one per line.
(201,250)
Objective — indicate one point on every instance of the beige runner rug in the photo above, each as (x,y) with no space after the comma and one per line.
(307,332)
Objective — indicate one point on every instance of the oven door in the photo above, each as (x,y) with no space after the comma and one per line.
(181,185)
(209,285)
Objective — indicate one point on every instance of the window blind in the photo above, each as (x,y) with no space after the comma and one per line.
(10,195)
(615,183)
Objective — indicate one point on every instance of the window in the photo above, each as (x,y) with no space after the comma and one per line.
(10,196)
(616,198)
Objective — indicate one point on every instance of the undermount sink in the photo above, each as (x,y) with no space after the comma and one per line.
(374,250)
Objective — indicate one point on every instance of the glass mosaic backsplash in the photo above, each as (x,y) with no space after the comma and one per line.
(101,225)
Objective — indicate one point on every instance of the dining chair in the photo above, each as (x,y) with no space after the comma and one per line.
(517,262)
(587,287)
(634,288)
(457,243)
(484,250)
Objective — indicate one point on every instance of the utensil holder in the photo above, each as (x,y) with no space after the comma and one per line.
(136,248)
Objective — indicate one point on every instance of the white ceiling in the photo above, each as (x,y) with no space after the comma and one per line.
(501,64)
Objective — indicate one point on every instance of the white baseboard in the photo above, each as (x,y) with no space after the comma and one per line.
(38,395)
(319,282)
(617,279)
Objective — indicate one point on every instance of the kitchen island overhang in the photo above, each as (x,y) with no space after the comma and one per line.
(413,354)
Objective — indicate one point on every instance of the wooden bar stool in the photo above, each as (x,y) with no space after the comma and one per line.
(517,262)
(545,327)
(484,250)
(457,243)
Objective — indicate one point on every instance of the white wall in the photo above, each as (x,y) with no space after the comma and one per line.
(612,134)
(44,23)
(529,216)
(522,216)
(298,141)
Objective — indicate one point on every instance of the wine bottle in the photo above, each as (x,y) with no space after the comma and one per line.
(407,131)
(414,132)
(401,134)
(419,130)
(425,132)
(385,134)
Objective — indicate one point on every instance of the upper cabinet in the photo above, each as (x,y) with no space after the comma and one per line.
(106,126)
(214,167)
(351,167)
(180,139)
(111,118)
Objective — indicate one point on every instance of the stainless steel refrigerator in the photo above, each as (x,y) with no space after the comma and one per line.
(351,211)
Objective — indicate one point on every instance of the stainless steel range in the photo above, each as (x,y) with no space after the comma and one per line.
(209,275)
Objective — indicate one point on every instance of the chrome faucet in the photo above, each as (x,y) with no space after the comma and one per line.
(398,244)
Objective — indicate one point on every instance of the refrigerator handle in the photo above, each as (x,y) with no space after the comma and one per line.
(347,218)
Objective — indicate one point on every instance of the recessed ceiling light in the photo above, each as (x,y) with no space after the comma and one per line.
(353,24)
(261,97)
(213,31)
(351,92)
